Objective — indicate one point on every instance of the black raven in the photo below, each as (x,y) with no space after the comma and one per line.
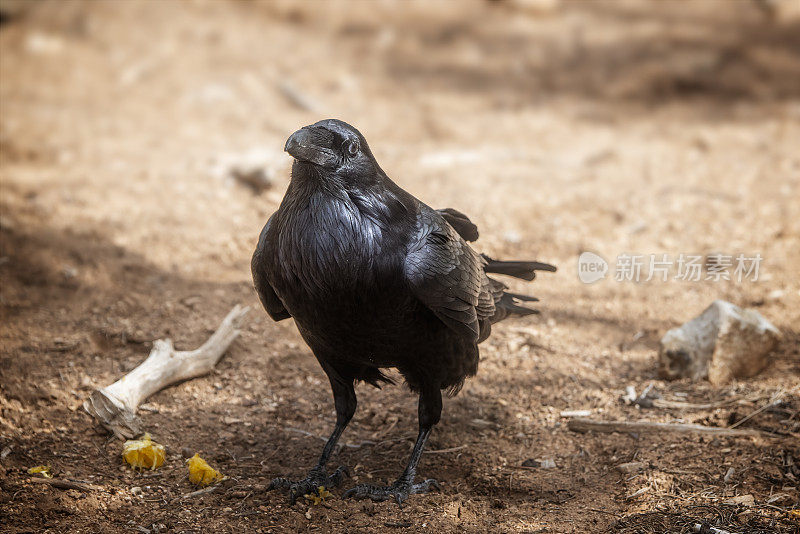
(376,279)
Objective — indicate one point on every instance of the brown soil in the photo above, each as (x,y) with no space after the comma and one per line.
(631,126)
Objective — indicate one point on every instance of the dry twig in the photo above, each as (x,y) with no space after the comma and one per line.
(773,401)
(581,424)
(442,451)
(199,492)
(62,484)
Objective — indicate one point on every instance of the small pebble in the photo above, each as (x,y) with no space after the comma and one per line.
(630,467)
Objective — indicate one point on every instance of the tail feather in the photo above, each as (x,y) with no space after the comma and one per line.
(526,270)
(507,303)
(514,309)
(523,298)
(507,306)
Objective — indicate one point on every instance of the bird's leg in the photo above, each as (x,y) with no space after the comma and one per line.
(344,397)
(430,410)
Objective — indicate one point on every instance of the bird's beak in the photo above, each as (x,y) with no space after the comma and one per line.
(302,148)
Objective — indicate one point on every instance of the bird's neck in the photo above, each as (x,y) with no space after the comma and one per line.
(313,189)
(310,180)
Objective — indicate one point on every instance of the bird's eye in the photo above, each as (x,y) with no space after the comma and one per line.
(352,148)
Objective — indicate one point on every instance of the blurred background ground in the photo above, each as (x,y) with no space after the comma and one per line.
(628,126)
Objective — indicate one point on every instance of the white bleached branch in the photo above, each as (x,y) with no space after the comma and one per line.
(115,406)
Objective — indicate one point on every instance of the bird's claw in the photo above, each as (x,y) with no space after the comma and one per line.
(316,477)
(399,491)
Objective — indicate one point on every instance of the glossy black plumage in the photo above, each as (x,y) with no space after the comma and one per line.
(375,279)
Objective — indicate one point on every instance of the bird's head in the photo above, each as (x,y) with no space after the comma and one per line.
(334,146)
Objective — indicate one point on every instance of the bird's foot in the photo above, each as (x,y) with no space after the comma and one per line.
(399,491)
(316,477)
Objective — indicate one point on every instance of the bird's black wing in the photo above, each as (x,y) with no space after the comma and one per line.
(446,275)
(269,299)
(460,223)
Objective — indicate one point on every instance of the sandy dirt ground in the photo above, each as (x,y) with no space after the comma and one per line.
(614,127)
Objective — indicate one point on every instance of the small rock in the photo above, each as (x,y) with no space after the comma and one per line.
(746,500)
(69,272)
(483,423)
(536,7)
(542,464)
(728,474)
(637,228)
(722,343)
(300,99)
(631,467)
(43,44)
(776,294)
(136,491)
(512,237)
(258,178)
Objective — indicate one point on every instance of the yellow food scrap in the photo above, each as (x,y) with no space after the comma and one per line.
(794,514)
(144,453)
(43,469)
(318,497)
(202,474)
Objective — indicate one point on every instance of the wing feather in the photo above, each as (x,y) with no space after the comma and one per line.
(446,275)
(269,299)
(460,223)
